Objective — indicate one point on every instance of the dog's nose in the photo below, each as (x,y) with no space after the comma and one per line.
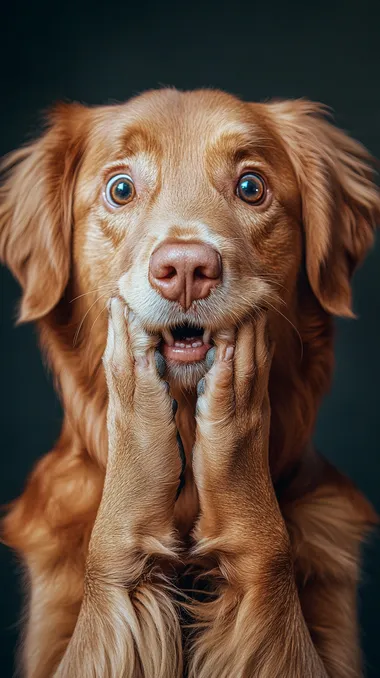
(185,271)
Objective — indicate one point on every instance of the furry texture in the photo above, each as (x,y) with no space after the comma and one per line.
(275,526)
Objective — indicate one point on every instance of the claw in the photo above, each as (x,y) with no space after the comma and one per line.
(182,456)
(160,363)
(201,387)
(210,357)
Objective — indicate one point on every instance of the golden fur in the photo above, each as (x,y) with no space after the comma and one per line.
(98,525)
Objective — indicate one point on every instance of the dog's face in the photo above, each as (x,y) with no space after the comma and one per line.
(196,208)
(187,205)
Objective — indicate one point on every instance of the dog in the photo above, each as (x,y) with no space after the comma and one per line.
(183,256)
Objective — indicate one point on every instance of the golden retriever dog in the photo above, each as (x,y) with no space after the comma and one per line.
(183,256)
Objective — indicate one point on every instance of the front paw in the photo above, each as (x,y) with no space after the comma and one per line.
(239,509)
(143,442)
(233,411)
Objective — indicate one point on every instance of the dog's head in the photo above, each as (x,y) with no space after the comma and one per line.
(196,208)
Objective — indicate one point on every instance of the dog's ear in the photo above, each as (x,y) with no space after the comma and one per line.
(36,199)
(340,202)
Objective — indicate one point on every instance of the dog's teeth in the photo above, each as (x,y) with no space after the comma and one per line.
(206,336)
(167,337)
(195,344)
(179,344)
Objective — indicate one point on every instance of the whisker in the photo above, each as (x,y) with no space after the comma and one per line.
(109,284)
(97,317)
(272,296)
(84,318)
(273,282)
(290,323)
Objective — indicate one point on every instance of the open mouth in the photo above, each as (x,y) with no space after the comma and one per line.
(185,343)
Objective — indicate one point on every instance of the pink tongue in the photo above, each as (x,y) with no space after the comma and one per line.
(184,352)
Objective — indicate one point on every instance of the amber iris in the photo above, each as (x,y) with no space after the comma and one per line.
(120,190)
(251,188)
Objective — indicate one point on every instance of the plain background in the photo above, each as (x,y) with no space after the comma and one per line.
(97,53)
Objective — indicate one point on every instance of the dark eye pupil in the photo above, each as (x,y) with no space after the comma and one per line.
(122,190)
(251,188)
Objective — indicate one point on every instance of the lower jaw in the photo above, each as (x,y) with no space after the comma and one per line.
(188,354)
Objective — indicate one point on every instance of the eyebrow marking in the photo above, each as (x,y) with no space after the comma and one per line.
(137,139)
(237,144)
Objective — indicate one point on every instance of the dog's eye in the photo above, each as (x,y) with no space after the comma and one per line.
(251,188)
(120,190)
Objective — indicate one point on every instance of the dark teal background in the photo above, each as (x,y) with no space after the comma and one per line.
(97,53)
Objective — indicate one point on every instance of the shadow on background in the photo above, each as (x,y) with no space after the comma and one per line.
(102,53)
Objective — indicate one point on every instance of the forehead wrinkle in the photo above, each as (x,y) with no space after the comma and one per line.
(138,138)
(117,142)
(237,145)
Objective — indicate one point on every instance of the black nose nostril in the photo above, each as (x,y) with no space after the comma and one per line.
(170,273)
(200,273)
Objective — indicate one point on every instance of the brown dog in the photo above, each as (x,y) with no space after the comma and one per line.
(225,234)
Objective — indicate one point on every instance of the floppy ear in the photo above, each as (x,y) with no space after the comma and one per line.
(340,202)
(36,200)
